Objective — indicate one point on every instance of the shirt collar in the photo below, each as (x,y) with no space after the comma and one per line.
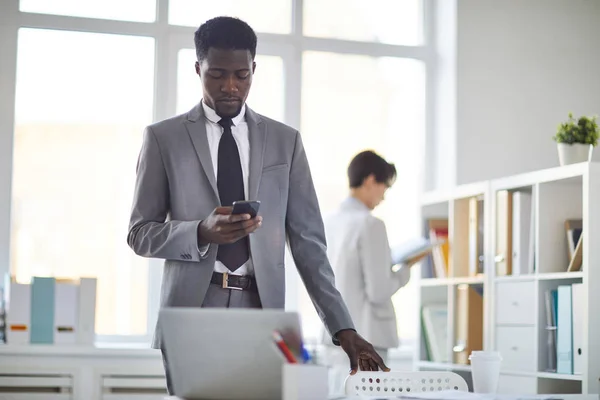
(212,116)
(354,203)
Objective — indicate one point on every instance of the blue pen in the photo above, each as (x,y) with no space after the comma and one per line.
(305,354)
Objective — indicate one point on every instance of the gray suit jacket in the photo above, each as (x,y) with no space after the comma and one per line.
(176,188)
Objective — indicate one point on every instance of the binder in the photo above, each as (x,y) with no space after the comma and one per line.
(475,236)
(503,257)
(434,319)
(521,220)
(549,297)
(86,318)
(66,308)
(564,350)
(469,323)
(18,316)
(578,303)
(42,310)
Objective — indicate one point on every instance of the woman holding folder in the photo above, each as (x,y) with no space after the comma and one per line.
(360,255)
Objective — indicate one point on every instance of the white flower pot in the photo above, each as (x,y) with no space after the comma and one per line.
(574,153)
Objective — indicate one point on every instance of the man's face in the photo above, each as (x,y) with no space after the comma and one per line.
(226,77)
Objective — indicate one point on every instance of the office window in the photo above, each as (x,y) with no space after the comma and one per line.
(270,16)
(130,10)
(268,86)
(386,21)
(85,91)
(82,101)
(352,103)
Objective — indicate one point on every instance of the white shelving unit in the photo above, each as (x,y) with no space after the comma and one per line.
(514,313)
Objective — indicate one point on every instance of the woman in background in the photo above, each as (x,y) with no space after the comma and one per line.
(360,255)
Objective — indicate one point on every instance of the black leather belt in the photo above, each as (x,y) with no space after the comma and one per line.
(234,282)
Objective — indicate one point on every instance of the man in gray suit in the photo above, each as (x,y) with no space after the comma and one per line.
(193,166)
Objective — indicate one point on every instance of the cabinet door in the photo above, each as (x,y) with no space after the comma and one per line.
(514,384)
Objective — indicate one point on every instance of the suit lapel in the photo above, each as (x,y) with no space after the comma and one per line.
(197,130)
(257,135)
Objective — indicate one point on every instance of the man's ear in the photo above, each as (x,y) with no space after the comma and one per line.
(197,65)
(253,66)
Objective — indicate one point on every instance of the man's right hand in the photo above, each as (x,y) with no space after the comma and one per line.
(223,227)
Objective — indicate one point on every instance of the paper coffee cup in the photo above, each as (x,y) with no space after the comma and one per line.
(485,369)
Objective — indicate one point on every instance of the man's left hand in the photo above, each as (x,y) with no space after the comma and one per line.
(360,352)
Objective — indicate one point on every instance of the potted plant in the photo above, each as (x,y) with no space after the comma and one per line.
(575,139)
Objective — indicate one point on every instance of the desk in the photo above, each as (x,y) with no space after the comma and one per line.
(472,396)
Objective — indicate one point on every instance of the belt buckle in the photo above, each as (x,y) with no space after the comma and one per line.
(226,283)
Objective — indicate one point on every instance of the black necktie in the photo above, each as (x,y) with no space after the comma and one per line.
(230,183)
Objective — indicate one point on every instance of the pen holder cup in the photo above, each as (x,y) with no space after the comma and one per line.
(304,382)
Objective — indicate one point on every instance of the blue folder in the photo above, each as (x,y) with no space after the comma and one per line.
(42,310)
(564,347)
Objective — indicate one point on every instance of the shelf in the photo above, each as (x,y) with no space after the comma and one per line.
(515,278)
(569,173)
(541,277)
(461,367)
(556,195)
(78,350)
(563,377)
(460,192)
(469,280)
(560,275)
(437,197)
(444,366)
(432,282)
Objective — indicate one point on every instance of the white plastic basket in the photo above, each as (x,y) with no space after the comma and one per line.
(396,383)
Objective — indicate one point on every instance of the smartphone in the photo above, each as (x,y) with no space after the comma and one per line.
(246,207)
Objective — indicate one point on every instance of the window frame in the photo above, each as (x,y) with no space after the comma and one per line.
(169,39)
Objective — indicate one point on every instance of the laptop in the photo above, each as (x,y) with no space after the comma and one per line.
(225,354)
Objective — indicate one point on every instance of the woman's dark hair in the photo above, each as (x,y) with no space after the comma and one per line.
(370,163)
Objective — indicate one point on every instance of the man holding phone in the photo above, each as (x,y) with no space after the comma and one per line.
(193,167)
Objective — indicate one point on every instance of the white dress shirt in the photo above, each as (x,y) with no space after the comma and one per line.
(240,134)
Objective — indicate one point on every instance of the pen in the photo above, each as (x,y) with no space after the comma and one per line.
(284,348)
(305,354)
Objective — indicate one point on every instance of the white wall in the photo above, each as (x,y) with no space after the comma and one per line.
(8,41)
(521,66)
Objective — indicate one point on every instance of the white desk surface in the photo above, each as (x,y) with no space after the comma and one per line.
(468,395)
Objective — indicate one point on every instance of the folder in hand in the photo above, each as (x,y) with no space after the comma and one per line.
(412,251)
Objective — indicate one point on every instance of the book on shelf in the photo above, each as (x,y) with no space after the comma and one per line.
(573,228)
(515,232)
(575,263)
(577,305)
(434,323)
(469,322)
(550,299)
(438,232)
(521,233)
(503,258)
(476,230)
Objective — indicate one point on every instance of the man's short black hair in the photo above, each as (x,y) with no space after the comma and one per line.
(370,163)
(225,33)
